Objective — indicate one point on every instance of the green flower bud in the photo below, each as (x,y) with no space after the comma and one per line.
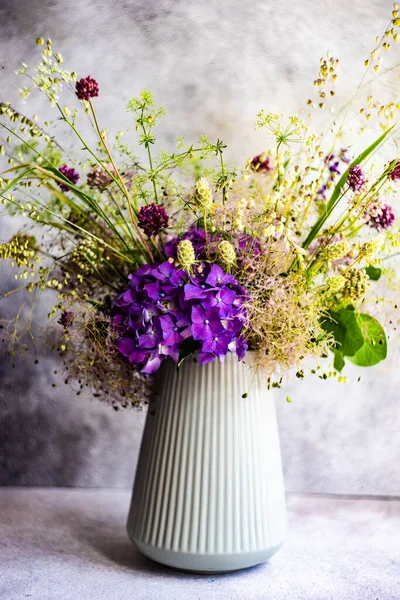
(202,195)
(336,283)
(336,251)
(226,253)
(185,254)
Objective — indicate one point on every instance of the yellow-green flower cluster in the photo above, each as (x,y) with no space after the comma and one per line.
(356,284)
(49,76)
(226,254)
(370,248)
(202,195)
(19,251)
(185,254)
(336,283)
(336,251)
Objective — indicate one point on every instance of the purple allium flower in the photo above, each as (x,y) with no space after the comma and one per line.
(87,88)
(70,174)
(261,162)
(152,219)
(98,177)
(164,306)
(379,215)
(356,179)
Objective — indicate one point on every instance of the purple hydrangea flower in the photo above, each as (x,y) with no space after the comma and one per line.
(163,307)
(379,215)
(70,174)
(356,179)
(152,219)
(87,88)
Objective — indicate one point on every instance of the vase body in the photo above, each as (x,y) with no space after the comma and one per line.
(208,493)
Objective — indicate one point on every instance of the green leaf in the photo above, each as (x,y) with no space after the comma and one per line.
(373,273)
(374,348)
(337,192)
(346,330)
(338,362)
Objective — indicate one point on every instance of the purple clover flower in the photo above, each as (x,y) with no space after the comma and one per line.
(152,219)
(70,174)
(87,88)
(163,307)
(356,179)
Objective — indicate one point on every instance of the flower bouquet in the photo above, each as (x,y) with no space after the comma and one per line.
(180,256)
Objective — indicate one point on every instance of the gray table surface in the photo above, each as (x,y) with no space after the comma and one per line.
(70,544)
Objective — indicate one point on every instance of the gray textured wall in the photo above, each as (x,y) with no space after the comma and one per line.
(213,65)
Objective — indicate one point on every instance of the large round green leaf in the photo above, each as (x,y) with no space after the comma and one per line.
(346,330)
(374,348)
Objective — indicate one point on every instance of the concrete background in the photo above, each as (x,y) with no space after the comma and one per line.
(213,65)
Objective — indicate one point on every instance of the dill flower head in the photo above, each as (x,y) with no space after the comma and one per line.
(87,88)
(185,254)
(202,195)
(226,253)
(356,179)
(336,251)
(379,215)
(69,173)
(261,162)
(356,284)
(152,219)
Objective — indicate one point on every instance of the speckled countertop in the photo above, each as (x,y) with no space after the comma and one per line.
(70,544)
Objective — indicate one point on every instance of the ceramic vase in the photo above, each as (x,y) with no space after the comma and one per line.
(208,493)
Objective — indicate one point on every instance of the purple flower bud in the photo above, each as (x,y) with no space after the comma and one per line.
(395,172)
(261,162)
(152,219)
(356,179)
(70,174)
(66,318)
(87,88)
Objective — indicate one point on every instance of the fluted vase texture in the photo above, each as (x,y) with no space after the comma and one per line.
(208,493)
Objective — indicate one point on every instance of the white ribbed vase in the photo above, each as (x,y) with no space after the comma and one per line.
(208,493)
